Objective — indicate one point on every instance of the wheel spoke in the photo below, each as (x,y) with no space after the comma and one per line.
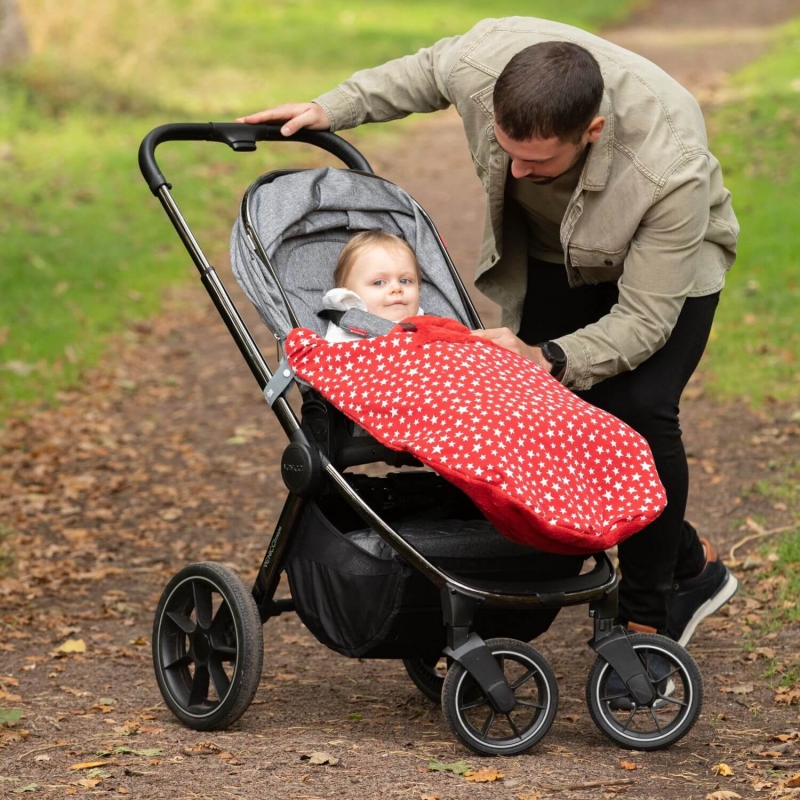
(529,704)
(219,625)
(666,677)
(202,603)
(226,653)
(487,724)
(630,718)
(655,719)
(614,697)
(526,677)
(219,677)
(182,621)
(199,691)
(668,699)
(482,702)
(513,726)
(183,661)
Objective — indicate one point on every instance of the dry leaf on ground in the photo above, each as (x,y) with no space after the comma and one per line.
(92,764)
(318,757)
(793,781)
(738,688)
(483,775)
(723,794)
(629,765)
(71,646)
(722,769)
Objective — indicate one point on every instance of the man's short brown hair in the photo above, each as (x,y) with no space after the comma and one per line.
(361,241)
(548,89)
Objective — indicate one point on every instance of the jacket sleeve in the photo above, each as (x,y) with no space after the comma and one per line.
(658,274)
(394,90)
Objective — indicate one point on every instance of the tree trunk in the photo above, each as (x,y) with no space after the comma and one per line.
(13,39)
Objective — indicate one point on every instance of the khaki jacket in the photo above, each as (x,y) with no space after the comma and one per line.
(650,210)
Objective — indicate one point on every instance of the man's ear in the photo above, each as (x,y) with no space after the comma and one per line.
(594,130)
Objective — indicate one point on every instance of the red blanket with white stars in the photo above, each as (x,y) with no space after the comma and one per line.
(546,468)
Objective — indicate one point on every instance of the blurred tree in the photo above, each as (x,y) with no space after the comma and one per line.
(13,39)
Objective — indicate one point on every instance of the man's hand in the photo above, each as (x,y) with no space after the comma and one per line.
(296,115)
(505,338)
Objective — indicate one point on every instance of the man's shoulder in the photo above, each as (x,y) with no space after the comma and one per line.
(643,97)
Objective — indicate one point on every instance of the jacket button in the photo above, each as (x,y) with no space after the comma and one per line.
(608,262)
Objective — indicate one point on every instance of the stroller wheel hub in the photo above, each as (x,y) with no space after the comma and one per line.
(201,647)
(301,469)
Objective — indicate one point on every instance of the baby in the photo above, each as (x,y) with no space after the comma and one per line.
(376,272)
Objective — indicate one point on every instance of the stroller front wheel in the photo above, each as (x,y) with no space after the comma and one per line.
(208,646)
(679,696)
(488,732)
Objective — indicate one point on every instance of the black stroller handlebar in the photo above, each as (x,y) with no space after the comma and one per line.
(240,137)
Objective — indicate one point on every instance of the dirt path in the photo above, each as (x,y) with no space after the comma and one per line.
(168,456)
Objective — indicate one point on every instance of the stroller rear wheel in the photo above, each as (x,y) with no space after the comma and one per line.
(674,710)
(207,646)
(488,732)
(427,676)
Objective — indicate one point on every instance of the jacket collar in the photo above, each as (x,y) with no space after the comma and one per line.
(598,162)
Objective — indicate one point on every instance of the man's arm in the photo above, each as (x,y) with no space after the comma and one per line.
(658,274)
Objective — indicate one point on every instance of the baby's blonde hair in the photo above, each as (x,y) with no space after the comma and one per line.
(361,241)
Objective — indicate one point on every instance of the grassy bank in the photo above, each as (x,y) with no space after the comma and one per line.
(84,248)
(755,349)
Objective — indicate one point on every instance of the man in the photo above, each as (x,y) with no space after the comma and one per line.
(608,235)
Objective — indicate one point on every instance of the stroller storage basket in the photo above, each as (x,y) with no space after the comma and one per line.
(358,597)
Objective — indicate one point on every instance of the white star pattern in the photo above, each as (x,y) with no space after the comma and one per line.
(545,467)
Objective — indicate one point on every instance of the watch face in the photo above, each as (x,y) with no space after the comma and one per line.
(554,354)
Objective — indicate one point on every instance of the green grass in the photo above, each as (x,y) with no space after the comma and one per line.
(84,248)
(755,348)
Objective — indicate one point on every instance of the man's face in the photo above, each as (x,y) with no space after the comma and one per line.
(543,160)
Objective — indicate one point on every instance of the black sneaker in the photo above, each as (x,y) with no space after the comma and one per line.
(694,599)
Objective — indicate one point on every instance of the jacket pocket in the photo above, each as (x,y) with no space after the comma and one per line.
(598,266)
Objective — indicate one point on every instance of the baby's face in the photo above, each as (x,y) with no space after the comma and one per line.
(386,279)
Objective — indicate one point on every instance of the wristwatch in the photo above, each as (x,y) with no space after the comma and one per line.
(555,354)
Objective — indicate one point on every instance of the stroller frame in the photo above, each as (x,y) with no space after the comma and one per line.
(305,467)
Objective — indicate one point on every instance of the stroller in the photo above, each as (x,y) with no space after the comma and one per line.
(402,565)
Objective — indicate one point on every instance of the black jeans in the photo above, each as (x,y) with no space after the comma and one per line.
(648,400)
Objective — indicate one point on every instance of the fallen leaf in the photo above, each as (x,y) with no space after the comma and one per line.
(9,716)
(571,717)
(629,765)
(488,775)
(738,688)
(722,769)
(285,676)
(429,797)
(88,783)
(202,749)
(171,514)
(31,787)
(91,764)
(723,794)
(318,758)
(71,646)
(456,767)
(793,781)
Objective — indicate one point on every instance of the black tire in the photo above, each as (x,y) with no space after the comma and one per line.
(208,646)
(426,676)
(472,719)
(672,714)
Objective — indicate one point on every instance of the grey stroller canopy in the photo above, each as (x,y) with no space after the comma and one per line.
(302,220)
